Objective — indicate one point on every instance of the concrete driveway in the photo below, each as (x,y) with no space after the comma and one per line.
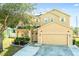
(53,50)
(48,50)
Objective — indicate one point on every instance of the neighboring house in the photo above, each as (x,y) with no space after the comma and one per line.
(20,31)
(9,32)
(8,38)
(54,28)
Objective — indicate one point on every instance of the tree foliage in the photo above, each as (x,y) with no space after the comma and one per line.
(11,13)
(75,30)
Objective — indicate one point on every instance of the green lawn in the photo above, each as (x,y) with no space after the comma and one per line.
(76,39)
(10,51)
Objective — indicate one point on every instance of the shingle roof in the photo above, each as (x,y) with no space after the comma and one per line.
(55,10)
(61,12)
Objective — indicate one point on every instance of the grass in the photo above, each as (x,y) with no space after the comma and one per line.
(10,51)
(76,39)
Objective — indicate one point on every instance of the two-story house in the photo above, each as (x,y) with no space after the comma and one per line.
(54,28)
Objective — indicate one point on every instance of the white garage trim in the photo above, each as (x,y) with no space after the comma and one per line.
(54,34)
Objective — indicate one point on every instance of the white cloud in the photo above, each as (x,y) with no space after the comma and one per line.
(76,5)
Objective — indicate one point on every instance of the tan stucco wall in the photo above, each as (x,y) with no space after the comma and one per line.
(67,18)
(34,35)
(57,16)
(54,28)
(21,32)
(54,39)
(54,34)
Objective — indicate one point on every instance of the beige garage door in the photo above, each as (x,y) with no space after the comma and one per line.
(60,39)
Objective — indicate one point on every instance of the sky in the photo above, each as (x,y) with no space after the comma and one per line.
(70,8)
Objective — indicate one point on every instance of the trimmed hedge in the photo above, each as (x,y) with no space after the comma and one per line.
(21,41)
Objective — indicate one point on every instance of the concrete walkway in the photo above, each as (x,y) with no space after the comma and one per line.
(75,50)
(27,51)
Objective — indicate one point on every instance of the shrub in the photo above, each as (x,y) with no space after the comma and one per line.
(77,43)
(21,40)
(21,27)
(17,41)
(73,42)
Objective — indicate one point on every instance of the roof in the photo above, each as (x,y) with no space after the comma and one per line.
(57,11)
(61,12)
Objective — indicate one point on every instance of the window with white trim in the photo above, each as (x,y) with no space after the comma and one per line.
(51,19)
(45,20)
(62,19)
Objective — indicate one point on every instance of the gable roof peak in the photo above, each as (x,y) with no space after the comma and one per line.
(61,11)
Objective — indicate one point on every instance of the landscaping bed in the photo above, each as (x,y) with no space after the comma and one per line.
(10,51)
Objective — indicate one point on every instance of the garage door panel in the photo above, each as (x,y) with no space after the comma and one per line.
(54,39)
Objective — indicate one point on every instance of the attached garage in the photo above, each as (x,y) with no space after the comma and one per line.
(55,39)
(54,34)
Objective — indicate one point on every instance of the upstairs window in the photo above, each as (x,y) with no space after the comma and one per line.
(45,20)
(62,19)
(51,19)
